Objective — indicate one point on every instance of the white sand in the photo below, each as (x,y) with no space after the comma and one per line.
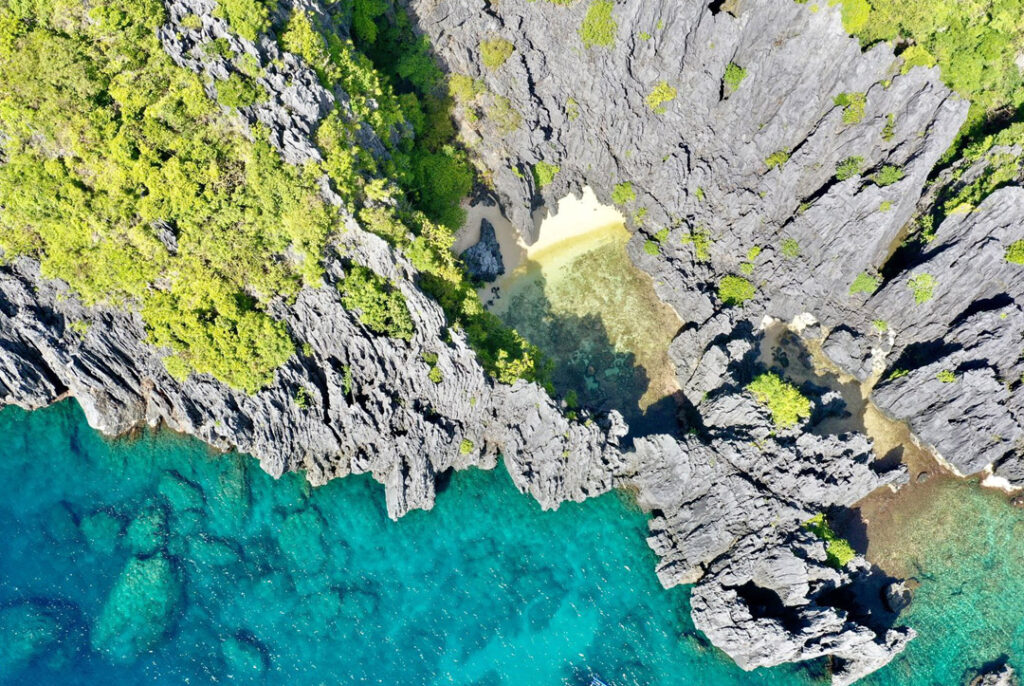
(575,217)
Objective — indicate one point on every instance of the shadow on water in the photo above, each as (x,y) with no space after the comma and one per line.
(589,369)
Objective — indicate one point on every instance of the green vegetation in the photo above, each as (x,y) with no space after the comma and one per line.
(777,158)
(946,376)
(303,398)
(662,235)
(661,94)
(1015,253)
(652,247)
(434,374)
(248,18)
(381,306)
(923,286)
(782,399)
(495,51)
(790,248)
(853,106)
(466,447)
(864,283)
(754,252)
(465,88)
(735,290)
(112,151)
(599,26)
(885,206)
(734,75)
(888,175)
(544,173)
(881,326)
(623,193)
(239,91)
(504,115)
(838,550)
(849,167)
(572,109)
(889,130)
(701,239)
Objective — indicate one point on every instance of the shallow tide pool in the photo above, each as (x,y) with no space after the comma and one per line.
(150,559)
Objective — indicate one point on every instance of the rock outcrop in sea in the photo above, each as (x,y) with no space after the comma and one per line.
(728,501)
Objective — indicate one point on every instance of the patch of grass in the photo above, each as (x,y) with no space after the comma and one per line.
(735,290)
(885,206)
(838,550)
(661,94)
(864,283)
(923,286)
(623,193)
(946,376)
(849,167)
(572,109)
(504,115)
(494,52)
(881,326)
(784,400)
(599,27)
(652,247)
(701,239)
(734,75)
(889,130)
(466,447)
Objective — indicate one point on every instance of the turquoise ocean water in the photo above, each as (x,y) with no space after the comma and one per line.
(151,559)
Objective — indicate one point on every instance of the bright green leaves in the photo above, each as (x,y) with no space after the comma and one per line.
(381,306)
(598,27)
(777,159)
(495,51)
(784,400)
(239,91)
(849,167)
(853,106)
(623,193)
(923,287)
(544,173)
(661,94)
(1015,252)
(838,550)
(864,283)
(735,290)
(734,75)
(888,175)
(248,18)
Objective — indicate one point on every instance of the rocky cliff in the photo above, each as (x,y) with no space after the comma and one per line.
(728,502)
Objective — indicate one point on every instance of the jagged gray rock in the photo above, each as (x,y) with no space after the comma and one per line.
(727,505)
(483,259)
(1001,675)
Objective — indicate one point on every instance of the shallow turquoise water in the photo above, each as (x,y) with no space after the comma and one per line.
(152,560)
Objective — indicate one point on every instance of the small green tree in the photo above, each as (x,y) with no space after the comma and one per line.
(864,283)
(838,550)
(849,167)
(790,248)
(888,175)
(544,173)
(1015,253)
(735,290)
(784,400)
(777,158)
(381,306)
(923,286)
(734,75)
(853,106)
(623,193)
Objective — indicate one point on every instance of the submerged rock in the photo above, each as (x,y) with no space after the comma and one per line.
(139,610)
(483,260)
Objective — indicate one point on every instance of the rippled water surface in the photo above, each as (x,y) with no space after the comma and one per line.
(152,560)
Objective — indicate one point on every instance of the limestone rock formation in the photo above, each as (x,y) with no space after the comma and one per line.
(483,260)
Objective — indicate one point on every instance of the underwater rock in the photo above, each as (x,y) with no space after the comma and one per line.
(30,631)
(147,533)
(483,260)
(898,596)
(139,610)
(244,657)
(102,531)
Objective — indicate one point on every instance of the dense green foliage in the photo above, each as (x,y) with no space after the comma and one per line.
(109,147)
(784,400)
(734,75)
(623,193)
(701,239)
(849,167)
(888,175)
(495,51)
(777,159)
(735,290)
(381,306)
(125,180)
(838,550)
(661,94)
(853,106)
(864,283)
(599,27)
(1015,253)
(544,173)
(923,286)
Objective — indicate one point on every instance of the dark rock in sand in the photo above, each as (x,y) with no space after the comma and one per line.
(483,260)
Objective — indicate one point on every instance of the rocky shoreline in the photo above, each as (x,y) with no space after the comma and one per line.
(729,501)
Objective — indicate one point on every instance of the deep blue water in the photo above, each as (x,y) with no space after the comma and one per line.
(151,559)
